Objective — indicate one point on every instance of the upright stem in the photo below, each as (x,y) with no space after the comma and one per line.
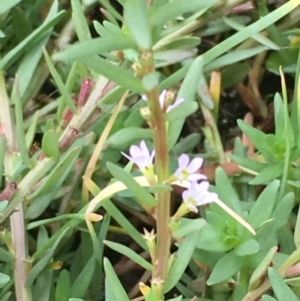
(162,169)
(17,218)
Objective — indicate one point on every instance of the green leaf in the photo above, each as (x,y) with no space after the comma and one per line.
(213,241)
(50,144)
(127,135)
(183,43)
(269,173)
(26,185)
(163,13)
(93,47)
(151,80)
(233,74)
(58,81)
(41,264)
(283,210)
(253,165)
(63,287)
(32,129)
(186,144)
(184,110)
(7,5)
(170,57)
(248,247)
(122,77)
(125,177)
(3,205)
(129,253)
(27,43)
(233,57)
(249,31)
(6,256)
(21,24)
(225,268)
(175,77)
(261,270)
(281,289)
(20,127)
(135,12)
(82,282)
(187,91)
(257,137)
(187,226)
(258,37)
(114,289)
(263,207)
(119,217)
(46,192)
(226,192)
(4,279)
(184,255)
(79,21)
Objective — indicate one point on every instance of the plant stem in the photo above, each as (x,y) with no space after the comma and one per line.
(162,170)
(17,218)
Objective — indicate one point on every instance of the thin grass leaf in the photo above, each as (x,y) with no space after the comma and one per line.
(82,282)
(117,74)
(7,5)
(127,135)
(41,264)
(20,125)
(163,13)
(45,194)
(61,86)
(263,207)
(30,134)
(116,214)
(249,31)
(258,37)
(113,284)
(26,184)
(182,260)
(187,91)
(129,253)
(125,177)
(281,289)
(135,12)
(79,21)
(233,57)
(94,47)
(27,43)
(63,287)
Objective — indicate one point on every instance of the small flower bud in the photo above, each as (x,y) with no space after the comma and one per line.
(145,289)
(93,217)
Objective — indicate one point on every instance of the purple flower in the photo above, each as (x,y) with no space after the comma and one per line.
(198,195)
(164,104)
(187,170)
(140,155)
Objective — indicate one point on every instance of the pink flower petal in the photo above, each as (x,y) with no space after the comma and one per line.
(183,161)
(195,165)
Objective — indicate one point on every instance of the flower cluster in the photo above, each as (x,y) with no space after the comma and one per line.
(196,195)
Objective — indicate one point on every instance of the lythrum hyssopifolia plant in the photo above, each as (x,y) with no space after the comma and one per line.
(105,158)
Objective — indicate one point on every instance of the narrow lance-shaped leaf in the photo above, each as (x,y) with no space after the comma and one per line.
(135,12)
(140,192)
(16,52)
(62,88)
